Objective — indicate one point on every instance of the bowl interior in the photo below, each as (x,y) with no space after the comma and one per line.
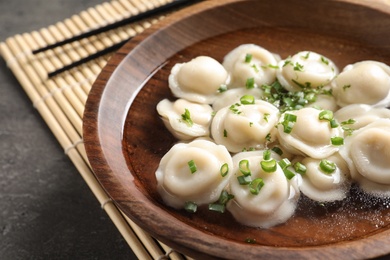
(125,138)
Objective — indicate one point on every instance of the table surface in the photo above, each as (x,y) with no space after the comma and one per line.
(47,211)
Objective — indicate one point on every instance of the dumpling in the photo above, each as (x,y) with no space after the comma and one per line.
(184,119)
(308,132)
(198,80)
(360,114)
(245,126)
(365,82)
(233,96)
(250,65)
(367,152)
(191,172)
(305,69)
(325,180)
(266,198)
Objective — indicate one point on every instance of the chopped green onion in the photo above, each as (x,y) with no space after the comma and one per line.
(298,67)
(269,166)
(325,115)
(307,55)
(300,168)
(327,166)
(288,123)
(247,100)
(248,58)
(337,140)
(190,206)
(225,134)
(277,150)
(290,117)
(268,137)
(284,163)
(192,166)
(186,117)
(325,61)
(255,68)
(244,180)
(243,165)
(333,123)
(225,197)
(348,122)
(266,116)
(234,108)
(217,207)
(224,169)
(289,174)
(345,87)
(267,155)
(222,88)
(256,185)
(250,83)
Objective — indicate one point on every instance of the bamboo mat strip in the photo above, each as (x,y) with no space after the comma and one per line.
(61,100)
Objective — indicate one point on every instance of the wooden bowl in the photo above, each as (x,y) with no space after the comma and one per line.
(125,138)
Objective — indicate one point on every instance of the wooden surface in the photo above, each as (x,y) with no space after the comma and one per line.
(125,139)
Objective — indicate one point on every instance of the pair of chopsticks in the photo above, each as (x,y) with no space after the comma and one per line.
(147,14)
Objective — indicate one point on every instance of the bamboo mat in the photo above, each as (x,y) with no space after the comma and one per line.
(60,100)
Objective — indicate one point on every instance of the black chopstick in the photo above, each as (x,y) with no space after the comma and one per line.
(131,19)
(147,14)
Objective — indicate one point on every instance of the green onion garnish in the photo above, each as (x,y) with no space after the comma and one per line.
(243,165)
(225,197)
(244,180)
(267,155)
(289,174)
(247,100)
(300,168)
(186,117)
(325,115)
(222,88)
(277,150)
(327,166)
(217,207)
(333,123)
(284,163)
(269,166)
(288,123)
(225,134)
(224,169)
(348,122)
(256,185)
(192,166)
(248,58)
(337,140)
(250,83)
(190,206)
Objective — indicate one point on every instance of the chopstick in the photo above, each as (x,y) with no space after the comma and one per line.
(147,14)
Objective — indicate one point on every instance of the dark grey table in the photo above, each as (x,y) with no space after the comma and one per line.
(46,209)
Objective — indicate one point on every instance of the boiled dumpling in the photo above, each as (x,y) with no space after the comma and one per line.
(356,116)
(365,82)
(276,197)
(191,172)
(305,69)
(367,152)
(198,80)
(245,126)
(325,180)
(184,119)
(303,132)
(250,65)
